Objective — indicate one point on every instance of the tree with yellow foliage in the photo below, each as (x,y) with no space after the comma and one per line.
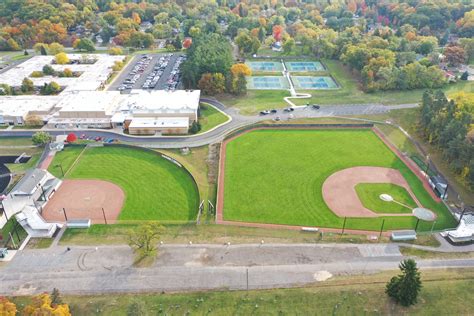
(61,59)
(238,69)
(7,308)
(42,305)
(115,51)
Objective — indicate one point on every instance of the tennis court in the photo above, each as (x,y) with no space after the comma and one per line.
(313,83)
(271,66)
(303,66)
(267,83)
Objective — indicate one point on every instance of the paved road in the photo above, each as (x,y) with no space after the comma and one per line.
(183,268)
(219,133)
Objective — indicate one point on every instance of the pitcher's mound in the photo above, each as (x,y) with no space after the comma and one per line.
(84,199)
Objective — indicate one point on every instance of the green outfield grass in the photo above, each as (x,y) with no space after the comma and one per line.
(155,188)
(210,117)
(369,195)
(276,176)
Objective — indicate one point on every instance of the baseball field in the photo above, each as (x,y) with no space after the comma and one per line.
(318,177)
(138,184)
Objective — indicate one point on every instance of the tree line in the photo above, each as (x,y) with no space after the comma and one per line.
(448,124)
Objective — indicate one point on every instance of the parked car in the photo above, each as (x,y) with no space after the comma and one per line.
(315,106)
(266,112)
(289,110)
(273,111)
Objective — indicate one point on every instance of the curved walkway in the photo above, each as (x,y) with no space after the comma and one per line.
(218,134)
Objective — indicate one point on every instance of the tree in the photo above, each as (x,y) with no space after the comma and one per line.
(238,69)
(212,84)
(195,127)
(56,297)
(288,46)
(247,44)
(27,85)
(143,240)
(7,308)
(71,138)
(115,51)
(187,43)
(84,44)
(55,48)
(61,59)
(39,47)
(240,85)
(210,53)
(48,70)
(67,73)
(5,89)
(50,88)
(455,55)
(41,138)
(42,305)
(404,288)
(33,120)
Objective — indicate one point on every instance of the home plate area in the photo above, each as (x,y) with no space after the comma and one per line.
(85,199)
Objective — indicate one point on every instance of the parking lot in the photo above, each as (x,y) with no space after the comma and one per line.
(151,71)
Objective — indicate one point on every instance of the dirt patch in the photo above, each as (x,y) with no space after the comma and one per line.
(341,197)
(84,199)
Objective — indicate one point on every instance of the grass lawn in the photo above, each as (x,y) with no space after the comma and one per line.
(369,194)
(276,176)
(210,117)
(19,234)
(15,141)
(155,188)
(256,100)
(444,292)
(64,159)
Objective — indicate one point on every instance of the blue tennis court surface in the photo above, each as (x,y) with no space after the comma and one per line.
(265,66)
(313,83)
(302,66)
(267,83)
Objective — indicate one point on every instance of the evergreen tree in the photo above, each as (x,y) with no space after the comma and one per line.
(404,288)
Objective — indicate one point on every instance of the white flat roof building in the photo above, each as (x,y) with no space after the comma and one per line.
(15,109)
(82,105)
(92,78)
(97,104)
(143,102)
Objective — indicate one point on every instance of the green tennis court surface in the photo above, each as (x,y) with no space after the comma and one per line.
(267,83)
(265,66)
(313,83)
(301,66)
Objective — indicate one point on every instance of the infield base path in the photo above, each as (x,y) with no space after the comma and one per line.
(341,197)
(84,199)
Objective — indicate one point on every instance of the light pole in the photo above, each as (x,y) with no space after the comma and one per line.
(59,165)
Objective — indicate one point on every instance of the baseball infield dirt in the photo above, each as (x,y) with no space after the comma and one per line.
(84,199)
(341,197)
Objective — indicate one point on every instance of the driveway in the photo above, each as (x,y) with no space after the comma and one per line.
(219,133)
(108,269)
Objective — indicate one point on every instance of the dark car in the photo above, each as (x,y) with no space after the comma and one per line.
(273,111)
(315,106)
